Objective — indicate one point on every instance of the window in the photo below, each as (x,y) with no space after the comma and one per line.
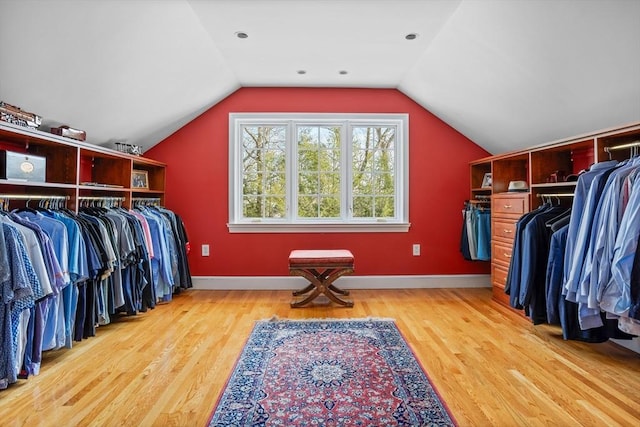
(318,172)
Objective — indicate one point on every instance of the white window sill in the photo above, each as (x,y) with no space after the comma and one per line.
(377,227)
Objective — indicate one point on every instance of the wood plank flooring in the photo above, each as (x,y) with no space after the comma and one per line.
(490,365)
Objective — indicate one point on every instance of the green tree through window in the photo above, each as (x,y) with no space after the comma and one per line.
(373,172)
(319,172)
(263,179)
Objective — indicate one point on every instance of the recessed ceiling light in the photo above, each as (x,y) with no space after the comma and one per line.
(302,72)
(343,72)
(241,35)
(411,36)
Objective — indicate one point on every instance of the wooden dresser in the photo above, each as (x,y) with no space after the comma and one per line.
(506,209)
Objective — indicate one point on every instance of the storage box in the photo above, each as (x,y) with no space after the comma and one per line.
(68,132)
(12,114)
(22,166)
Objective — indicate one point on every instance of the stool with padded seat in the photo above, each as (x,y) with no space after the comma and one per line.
(321,268)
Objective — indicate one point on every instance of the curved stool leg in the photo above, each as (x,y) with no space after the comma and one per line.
(321,283)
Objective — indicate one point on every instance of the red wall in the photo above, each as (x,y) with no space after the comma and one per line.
(197,187)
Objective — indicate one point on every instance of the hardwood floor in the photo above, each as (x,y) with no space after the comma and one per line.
(491,366)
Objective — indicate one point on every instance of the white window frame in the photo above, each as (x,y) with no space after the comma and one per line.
(290,224)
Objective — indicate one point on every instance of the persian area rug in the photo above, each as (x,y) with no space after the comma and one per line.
(328,373)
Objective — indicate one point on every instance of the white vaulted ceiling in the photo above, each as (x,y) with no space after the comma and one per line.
(507,74)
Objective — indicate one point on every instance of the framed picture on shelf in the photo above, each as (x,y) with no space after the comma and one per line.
(486,181)
(140,179)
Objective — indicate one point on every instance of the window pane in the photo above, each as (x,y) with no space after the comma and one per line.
(275,207)
(308,206)
(361,161)
(373,172)
(383,184)
(252,184)
(252,207)
(385,138)
(319,172)
(263,174)
(362,183)
(263,137)
(361,138)
(307,138)
(363,207)
(329,207)
(275,184)
(329,184)
(308,183)
(274,160)
(329,137)
(384,207)
(308,160)
(383,160)
(329,160)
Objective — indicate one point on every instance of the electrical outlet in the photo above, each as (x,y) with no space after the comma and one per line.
(416,249)
(205,250)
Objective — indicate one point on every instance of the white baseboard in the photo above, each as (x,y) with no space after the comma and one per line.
(633,344)
(351,282)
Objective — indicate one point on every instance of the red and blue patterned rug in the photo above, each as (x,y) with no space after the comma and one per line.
(356,372)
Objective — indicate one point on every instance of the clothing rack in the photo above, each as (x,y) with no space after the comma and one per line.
(5,198)
(555,195)
(634,146)
(146,201)
(549,196)
(480,199)
(102,201)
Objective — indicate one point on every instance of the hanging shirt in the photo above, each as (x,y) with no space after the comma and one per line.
(78,271)
(588,191)
(535,254)
(36,259)
(597,268)
(512,284)
(483,231)
(18,297)
(57,232)
(616,297)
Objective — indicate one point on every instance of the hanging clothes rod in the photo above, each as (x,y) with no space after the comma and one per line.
(48,199)
(102,198)
(31,197)
(634,146)
(101,201)
(622,146)
(155,201)
(556,195)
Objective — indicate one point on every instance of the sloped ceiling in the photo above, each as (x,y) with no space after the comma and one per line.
(507,74)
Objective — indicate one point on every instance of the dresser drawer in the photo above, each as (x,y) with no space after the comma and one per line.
(510,205)
(504,229)
(499,275)
(501,253)
(498,282)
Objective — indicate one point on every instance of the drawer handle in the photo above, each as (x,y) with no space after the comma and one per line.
(507,231)
(508,206)
(506,255)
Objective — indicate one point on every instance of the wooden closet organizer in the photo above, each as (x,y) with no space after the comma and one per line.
(76,170)
(538,166)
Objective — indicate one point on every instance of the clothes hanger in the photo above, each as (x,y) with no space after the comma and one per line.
(26,208)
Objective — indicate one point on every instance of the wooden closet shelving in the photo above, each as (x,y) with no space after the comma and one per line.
(536,166)
(78,169)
